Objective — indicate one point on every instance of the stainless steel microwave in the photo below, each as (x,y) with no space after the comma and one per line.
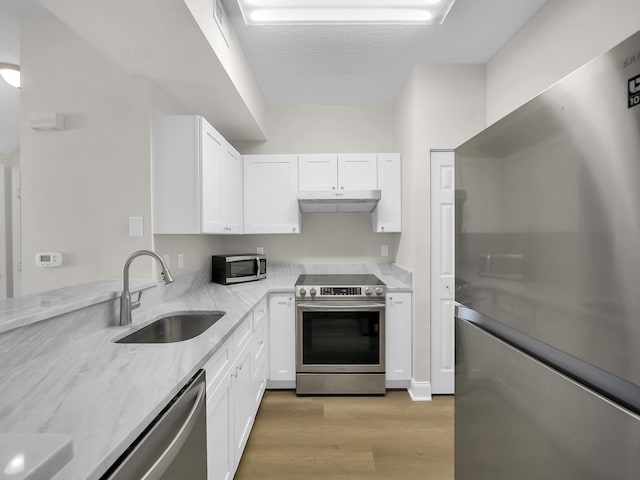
(243,267)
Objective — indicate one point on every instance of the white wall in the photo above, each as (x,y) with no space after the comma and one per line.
(439,108)
(9,160)
(80,185)
(325,129)
(325,238)
(562,36)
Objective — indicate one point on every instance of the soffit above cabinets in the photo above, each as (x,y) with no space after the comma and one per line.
(161,40)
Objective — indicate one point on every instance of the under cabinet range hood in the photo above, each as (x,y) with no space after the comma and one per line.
(354,201)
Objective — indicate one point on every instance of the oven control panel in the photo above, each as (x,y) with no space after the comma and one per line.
(310,292)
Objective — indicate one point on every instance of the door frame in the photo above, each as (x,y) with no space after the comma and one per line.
(442,224)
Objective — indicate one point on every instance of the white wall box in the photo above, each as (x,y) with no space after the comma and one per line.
(398,340)
(270,194)
(196,178)
(282,353)
(387,216)
(322,172)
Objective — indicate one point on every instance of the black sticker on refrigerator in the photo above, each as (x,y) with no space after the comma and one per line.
(634,91)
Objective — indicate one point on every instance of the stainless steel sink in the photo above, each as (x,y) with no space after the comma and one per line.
(173,328)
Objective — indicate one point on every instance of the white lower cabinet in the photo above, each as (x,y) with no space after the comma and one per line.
(236,380)
(282,341)
(398,340)
(220,455)
(259,363)
(242,408)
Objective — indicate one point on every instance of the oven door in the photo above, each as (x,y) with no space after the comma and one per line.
(340,337)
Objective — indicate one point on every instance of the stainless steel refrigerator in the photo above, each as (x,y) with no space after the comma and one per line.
(548,257)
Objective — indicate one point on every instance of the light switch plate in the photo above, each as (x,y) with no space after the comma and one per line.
(135,227)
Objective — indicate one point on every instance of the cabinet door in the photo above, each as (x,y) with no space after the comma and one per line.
(318,172)
(387,217)
(357,171)
(271,194)
(220,464)
(231,190)
(211,158)
(242,403)
(175,152)
(282,353)
(398,338)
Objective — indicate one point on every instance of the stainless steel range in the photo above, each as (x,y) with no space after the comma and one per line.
(340,334)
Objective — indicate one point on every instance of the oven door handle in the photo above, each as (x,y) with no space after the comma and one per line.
(360,307)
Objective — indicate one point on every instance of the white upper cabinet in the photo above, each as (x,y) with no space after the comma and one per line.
(318,172)
(271,194)
(387,217)
(357,171)
(348,171)
(191,168)
(231,190)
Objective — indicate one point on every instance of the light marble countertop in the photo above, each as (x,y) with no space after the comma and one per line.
(66,376)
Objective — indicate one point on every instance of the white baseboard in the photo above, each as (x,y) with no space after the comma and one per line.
(281,384)
(398,384)
(420,391)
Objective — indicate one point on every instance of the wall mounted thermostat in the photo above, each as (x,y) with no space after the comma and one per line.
(48,259)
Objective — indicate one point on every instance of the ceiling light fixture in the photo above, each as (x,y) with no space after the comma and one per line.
(344,12)
(11,74)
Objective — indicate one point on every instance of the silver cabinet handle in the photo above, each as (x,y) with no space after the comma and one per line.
(164,461)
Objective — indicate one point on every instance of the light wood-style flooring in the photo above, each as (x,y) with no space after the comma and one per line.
(350,438)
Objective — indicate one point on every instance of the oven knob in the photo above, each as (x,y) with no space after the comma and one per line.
(367,291)
(303,291)
(312,292)
(379,291)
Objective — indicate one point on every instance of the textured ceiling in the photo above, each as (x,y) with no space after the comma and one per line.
(321,64)
(369,64)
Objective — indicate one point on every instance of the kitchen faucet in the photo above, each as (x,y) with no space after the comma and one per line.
(125,299)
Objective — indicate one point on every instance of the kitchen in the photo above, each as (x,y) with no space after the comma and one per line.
(108,109)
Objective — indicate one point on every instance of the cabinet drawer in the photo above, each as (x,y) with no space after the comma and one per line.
(242,336)
(217,366)
(259,314)
(259,382)
(259,346)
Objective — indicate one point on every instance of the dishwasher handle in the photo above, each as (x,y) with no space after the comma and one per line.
(166,458)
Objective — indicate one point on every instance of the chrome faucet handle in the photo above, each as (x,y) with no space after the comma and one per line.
(136,304)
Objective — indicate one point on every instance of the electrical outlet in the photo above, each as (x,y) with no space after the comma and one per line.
(260,250)
(384,250)
(181,260)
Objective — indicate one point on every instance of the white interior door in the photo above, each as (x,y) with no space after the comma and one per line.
(16,231)
(3,236)
(442,272)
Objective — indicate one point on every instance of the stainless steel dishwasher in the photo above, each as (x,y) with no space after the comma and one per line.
(174,446)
